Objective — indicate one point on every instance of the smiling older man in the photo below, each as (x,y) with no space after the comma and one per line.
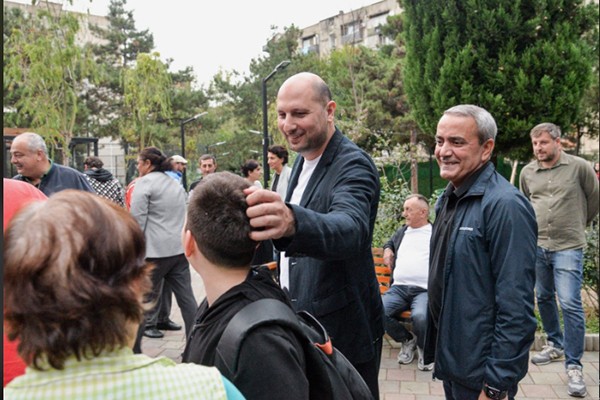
(29,154)
(482,266)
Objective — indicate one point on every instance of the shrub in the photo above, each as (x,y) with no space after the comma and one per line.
(590,267)
(389,214)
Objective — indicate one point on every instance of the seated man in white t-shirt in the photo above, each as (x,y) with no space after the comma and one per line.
(407,253)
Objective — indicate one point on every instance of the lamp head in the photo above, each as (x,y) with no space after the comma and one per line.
(282,65)
(200,115)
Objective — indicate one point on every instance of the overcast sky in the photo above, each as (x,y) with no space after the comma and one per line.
(209,35)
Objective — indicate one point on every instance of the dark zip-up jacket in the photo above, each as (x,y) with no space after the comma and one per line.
(60,177)
(486,325)
(271,362)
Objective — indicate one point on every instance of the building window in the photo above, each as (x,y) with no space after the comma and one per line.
(377,20)
(351,33)
(309,44)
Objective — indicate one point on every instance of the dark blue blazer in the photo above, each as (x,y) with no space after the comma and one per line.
(331,264)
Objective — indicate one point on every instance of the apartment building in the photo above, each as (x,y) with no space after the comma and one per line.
(85,34)
(358,27)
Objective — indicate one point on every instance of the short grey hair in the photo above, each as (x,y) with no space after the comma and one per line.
(35,142)
(550,128)
(486,125)
(419,197)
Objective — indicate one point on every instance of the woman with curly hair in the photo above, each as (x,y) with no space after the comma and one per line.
(73,298)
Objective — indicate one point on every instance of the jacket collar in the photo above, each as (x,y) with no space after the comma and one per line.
(475,184)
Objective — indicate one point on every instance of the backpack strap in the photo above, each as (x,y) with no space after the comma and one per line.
(253,315)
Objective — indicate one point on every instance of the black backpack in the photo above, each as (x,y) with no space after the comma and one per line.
(329,373)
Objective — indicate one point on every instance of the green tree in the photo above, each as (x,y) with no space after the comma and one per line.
(13,21)
(44,64)
(146,101)
(239,100)
(524,61)
(187,101)
(121,42)
(368,89)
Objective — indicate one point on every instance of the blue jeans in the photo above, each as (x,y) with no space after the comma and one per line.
(400,298)
(561,272)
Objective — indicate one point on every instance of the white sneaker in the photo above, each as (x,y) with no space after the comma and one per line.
(548,354)
(407,352)
(421,363)
(576,386)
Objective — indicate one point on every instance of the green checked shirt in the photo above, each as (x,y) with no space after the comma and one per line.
(119,375)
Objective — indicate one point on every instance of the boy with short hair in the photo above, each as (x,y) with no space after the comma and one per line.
(217,244)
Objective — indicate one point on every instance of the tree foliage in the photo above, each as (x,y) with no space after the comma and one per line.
(48,70)
(117,50)
(524,61)
(366,85)
(370,96)
(146,100)
(123,41)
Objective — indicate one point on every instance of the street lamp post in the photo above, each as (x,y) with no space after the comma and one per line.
(183,122)
(279,67)
(207,147)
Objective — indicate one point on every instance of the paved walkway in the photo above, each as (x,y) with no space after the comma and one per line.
(406,382)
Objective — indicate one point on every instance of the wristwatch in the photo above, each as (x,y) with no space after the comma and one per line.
(493,393)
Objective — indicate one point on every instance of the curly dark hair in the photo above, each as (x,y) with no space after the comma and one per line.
(157,158)
(73,285)
(280,152)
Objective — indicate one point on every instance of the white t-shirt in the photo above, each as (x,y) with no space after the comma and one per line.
(307,170)
(412,257)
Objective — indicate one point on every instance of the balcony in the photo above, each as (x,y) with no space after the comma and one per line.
(313,48)
(352,38)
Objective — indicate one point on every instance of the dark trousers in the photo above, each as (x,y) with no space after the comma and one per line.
(456,391)
(176,271)
(369,370)
(165,304)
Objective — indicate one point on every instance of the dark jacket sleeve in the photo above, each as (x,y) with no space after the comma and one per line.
(512,235)
(390,243)
(394,242)
(336,225)
(272,366)
(83,184)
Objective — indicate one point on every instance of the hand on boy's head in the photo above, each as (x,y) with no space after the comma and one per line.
(270,217)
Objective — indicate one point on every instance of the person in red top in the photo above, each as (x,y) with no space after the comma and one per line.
(16,195)
(129,193)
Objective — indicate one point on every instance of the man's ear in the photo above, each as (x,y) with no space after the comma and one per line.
(189,244)
(330,108)
(488,148)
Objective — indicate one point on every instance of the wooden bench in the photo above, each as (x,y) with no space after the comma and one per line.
(383,273)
